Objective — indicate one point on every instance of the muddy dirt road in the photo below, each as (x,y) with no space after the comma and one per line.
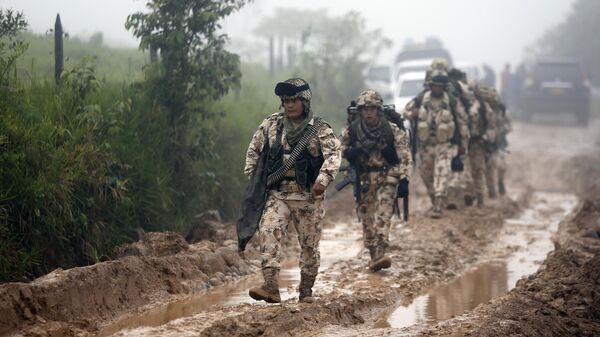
(475,272)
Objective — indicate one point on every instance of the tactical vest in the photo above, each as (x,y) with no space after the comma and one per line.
(306,168)
(438,124)
(388,152)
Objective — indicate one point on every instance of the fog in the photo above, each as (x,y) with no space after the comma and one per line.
(475,31)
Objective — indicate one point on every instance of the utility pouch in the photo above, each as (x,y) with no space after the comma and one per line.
(301,168)
(423,131)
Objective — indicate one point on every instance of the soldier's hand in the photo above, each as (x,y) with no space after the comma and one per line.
(461,151)
(318,189)
(402,190)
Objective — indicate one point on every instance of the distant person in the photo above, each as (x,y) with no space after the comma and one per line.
(489,76)
(506,82)
(295,195)
(378,149)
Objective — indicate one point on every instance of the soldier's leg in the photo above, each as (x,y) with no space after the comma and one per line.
(501,164)
(386,197)
(477,161)
(367,215)
(490,174)
(271,229)
(426,168)
(441,175)
(308,217)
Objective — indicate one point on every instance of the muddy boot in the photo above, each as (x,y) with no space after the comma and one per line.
(306,284)
(501,188)
(479,200)
(437,212)
(381,261)
(269,291)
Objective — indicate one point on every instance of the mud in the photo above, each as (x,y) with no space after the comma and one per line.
(166,285)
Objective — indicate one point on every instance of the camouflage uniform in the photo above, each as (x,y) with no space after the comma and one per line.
(290,202)
(436,121)
(379,181)
(483,121)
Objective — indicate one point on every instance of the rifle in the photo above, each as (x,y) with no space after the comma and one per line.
(353,178)
(404,207)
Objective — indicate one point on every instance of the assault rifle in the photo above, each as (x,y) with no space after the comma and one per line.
(353,178)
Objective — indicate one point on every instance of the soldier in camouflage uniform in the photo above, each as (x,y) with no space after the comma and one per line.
(379,150)
(496,163)
(441,127)
(299,197)
(483,135)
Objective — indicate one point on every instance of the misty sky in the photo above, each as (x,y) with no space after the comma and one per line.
(492,31)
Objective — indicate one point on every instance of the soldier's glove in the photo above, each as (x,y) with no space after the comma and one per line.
(402,191)
(352,154)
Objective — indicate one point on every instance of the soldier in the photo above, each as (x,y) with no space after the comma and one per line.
(495,166)
(379,150)
(442,132)
(483,136)
(298,197)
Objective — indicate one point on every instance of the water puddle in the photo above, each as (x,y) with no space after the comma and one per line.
(337,243)
(528,241)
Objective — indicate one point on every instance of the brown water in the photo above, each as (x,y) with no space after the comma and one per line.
(337,243)
(528,238)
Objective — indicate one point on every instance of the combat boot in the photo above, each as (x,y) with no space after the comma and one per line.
(269,291)
(306,284)
(438,205)
(381,261)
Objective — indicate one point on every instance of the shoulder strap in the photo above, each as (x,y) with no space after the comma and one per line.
(298,150)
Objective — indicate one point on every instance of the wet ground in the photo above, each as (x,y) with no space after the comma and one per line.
(449,277)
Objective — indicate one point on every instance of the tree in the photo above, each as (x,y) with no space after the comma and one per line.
(192,70)
(11,48)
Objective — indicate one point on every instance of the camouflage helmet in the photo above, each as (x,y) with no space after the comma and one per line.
(369,97)
(439,64)
(439,77)
(293,88)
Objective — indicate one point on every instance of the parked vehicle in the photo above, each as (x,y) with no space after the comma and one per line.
(409,85)
(552,86)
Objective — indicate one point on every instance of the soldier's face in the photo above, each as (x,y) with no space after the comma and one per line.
(293,108)
(370,114)
(437,90)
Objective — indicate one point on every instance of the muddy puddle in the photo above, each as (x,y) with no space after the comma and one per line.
(338,243)
(519,250)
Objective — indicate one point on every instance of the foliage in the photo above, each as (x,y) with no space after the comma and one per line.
(193,70)
(112,64)
(576,37)
(11,48)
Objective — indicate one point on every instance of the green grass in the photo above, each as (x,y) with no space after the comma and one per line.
(113,64)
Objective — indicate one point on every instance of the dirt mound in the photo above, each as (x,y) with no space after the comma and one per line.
(159,266)
(562,299)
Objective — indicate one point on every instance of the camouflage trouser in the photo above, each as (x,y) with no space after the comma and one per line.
(491,171)
(375,211)
(434,166)
(477,162)
(501,166)
(306,215)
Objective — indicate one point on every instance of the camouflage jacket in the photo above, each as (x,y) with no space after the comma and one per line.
(483,122)
(401,143)
(324,143)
